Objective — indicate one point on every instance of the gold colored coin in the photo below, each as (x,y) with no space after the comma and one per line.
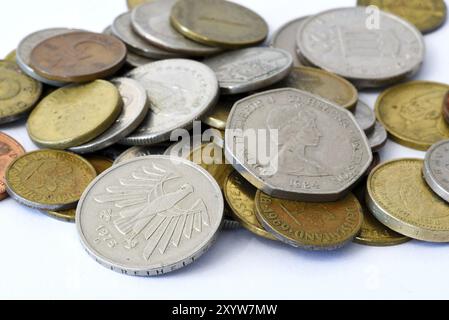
(135,3)
(11,56)
(218,116)
(411,113)
(74,115)
(18,92)
(240,194)
(426,15)
(312,226)
(66,215)
(218,23)
(399,197)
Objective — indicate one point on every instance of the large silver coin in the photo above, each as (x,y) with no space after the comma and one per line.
(152,22)
(180,91)
(250,69)
(365,117)
(348,42)
(320,152)
(137,152)
(378,137)
(436,169)
(135,109)
(150,216)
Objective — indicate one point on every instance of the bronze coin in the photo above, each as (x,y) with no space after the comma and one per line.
(78,57)
(446,107)
(10,149)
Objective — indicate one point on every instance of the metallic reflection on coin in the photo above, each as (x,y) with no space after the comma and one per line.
(436,169)
(137,152)
(378,137)
(218,115)
(365,117)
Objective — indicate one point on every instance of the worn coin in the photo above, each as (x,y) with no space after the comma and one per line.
(365,117)
(135,109)
(152,22)
(180,91)
(11,56)
(74,115)
(446,108)
(426,15)
(218,115)
(411,113)
(150,216)
(318,153)
(339,41)
(10,149)
(436,169)
(218,23)
(78,57)
(137,152)
(378,138)
(250,69)
(49,179)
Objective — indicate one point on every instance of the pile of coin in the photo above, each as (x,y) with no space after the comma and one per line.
(287,150)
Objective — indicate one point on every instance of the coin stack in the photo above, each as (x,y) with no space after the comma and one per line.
(164,65)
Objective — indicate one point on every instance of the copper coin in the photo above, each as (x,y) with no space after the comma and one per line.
(78,57)
(446,107)
(10,149)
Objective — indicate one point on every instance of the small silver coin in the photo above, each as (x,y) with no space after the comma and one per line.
(378,137)
(436,169)
(150,216)
(180,91)
(365,117)
(152,22)
(135,109)
(250,69)
(137,152)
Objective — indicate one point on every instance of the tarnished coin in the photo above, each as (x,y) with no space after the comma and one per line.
(12,56)
(250,69)
(436,169)
(426,15)
(319,151)
(180,91)
(411,113)
(240,195)
(74,115)
(446,108)
(218,23)
(49,179)
(135,3)
(311,226)
(365,117)
(378,137)
(78,57)
(150,216)
(137,152)
(10,149)
(18,92)
(324,84)
(340,41)
(218,115)
(135,109)
(152,22)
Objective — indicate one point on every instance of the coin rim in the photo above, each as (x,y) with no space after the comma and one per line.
(4,195)
(431,180)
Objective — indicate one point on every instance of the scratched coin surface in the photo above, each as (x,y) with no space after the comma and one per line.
(180,91)
(436,169)
(49,179)
(250,69)
(320,152)
(365,117)
(411,113)
(378,137)
(218,23)
(311,226)
(10,149)
(426,15)
(399,197)
(446,108)
(78,56)
(150,216)
(339,41)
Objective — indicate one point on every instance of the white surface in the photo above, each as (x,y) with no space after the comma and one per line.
(42,257)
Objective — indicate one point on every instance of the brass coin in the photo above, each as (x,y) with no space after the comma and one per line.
(240,194)
(49,179)
(78,57)
(18,92)
(135,3)
(411,113)
(446,108)
(218,23)
(426,15)
(11,56)
(10,149)
(66,215)
(399,197)
(311,226)
(217,117)
(74,115)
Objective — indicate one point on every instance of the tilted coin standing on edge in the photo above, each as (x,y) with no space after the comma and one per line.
(320,152)
(180,91)
(340,41)
(365,117)
(250,69)
(10,150)
(137,152)
(435,170)
(378,137)
(150,216)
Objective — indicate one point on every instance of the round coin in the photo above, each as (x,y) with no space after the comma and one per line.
(411,113)
(11,56)
(378,137)
(78,57)
(137,152)
(250,69)
(135,3)
(10,149)
(65,215)
(150,216)
(74,115)
(49,179)
(446,108)
(218,115)
(365,117)
(436,169)
(218,23)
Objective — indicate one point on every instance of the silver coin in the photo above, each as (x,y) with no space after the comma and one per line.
(436,169)
(378,137)
(150,216)
(346,41)
(180,91)
(135,109)
(137,152)
(365,117)
(250,69)
(285,38)
(319,154)
(152,22)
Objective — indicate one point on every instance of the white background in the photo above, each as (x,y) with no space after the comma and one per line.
(42,258)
